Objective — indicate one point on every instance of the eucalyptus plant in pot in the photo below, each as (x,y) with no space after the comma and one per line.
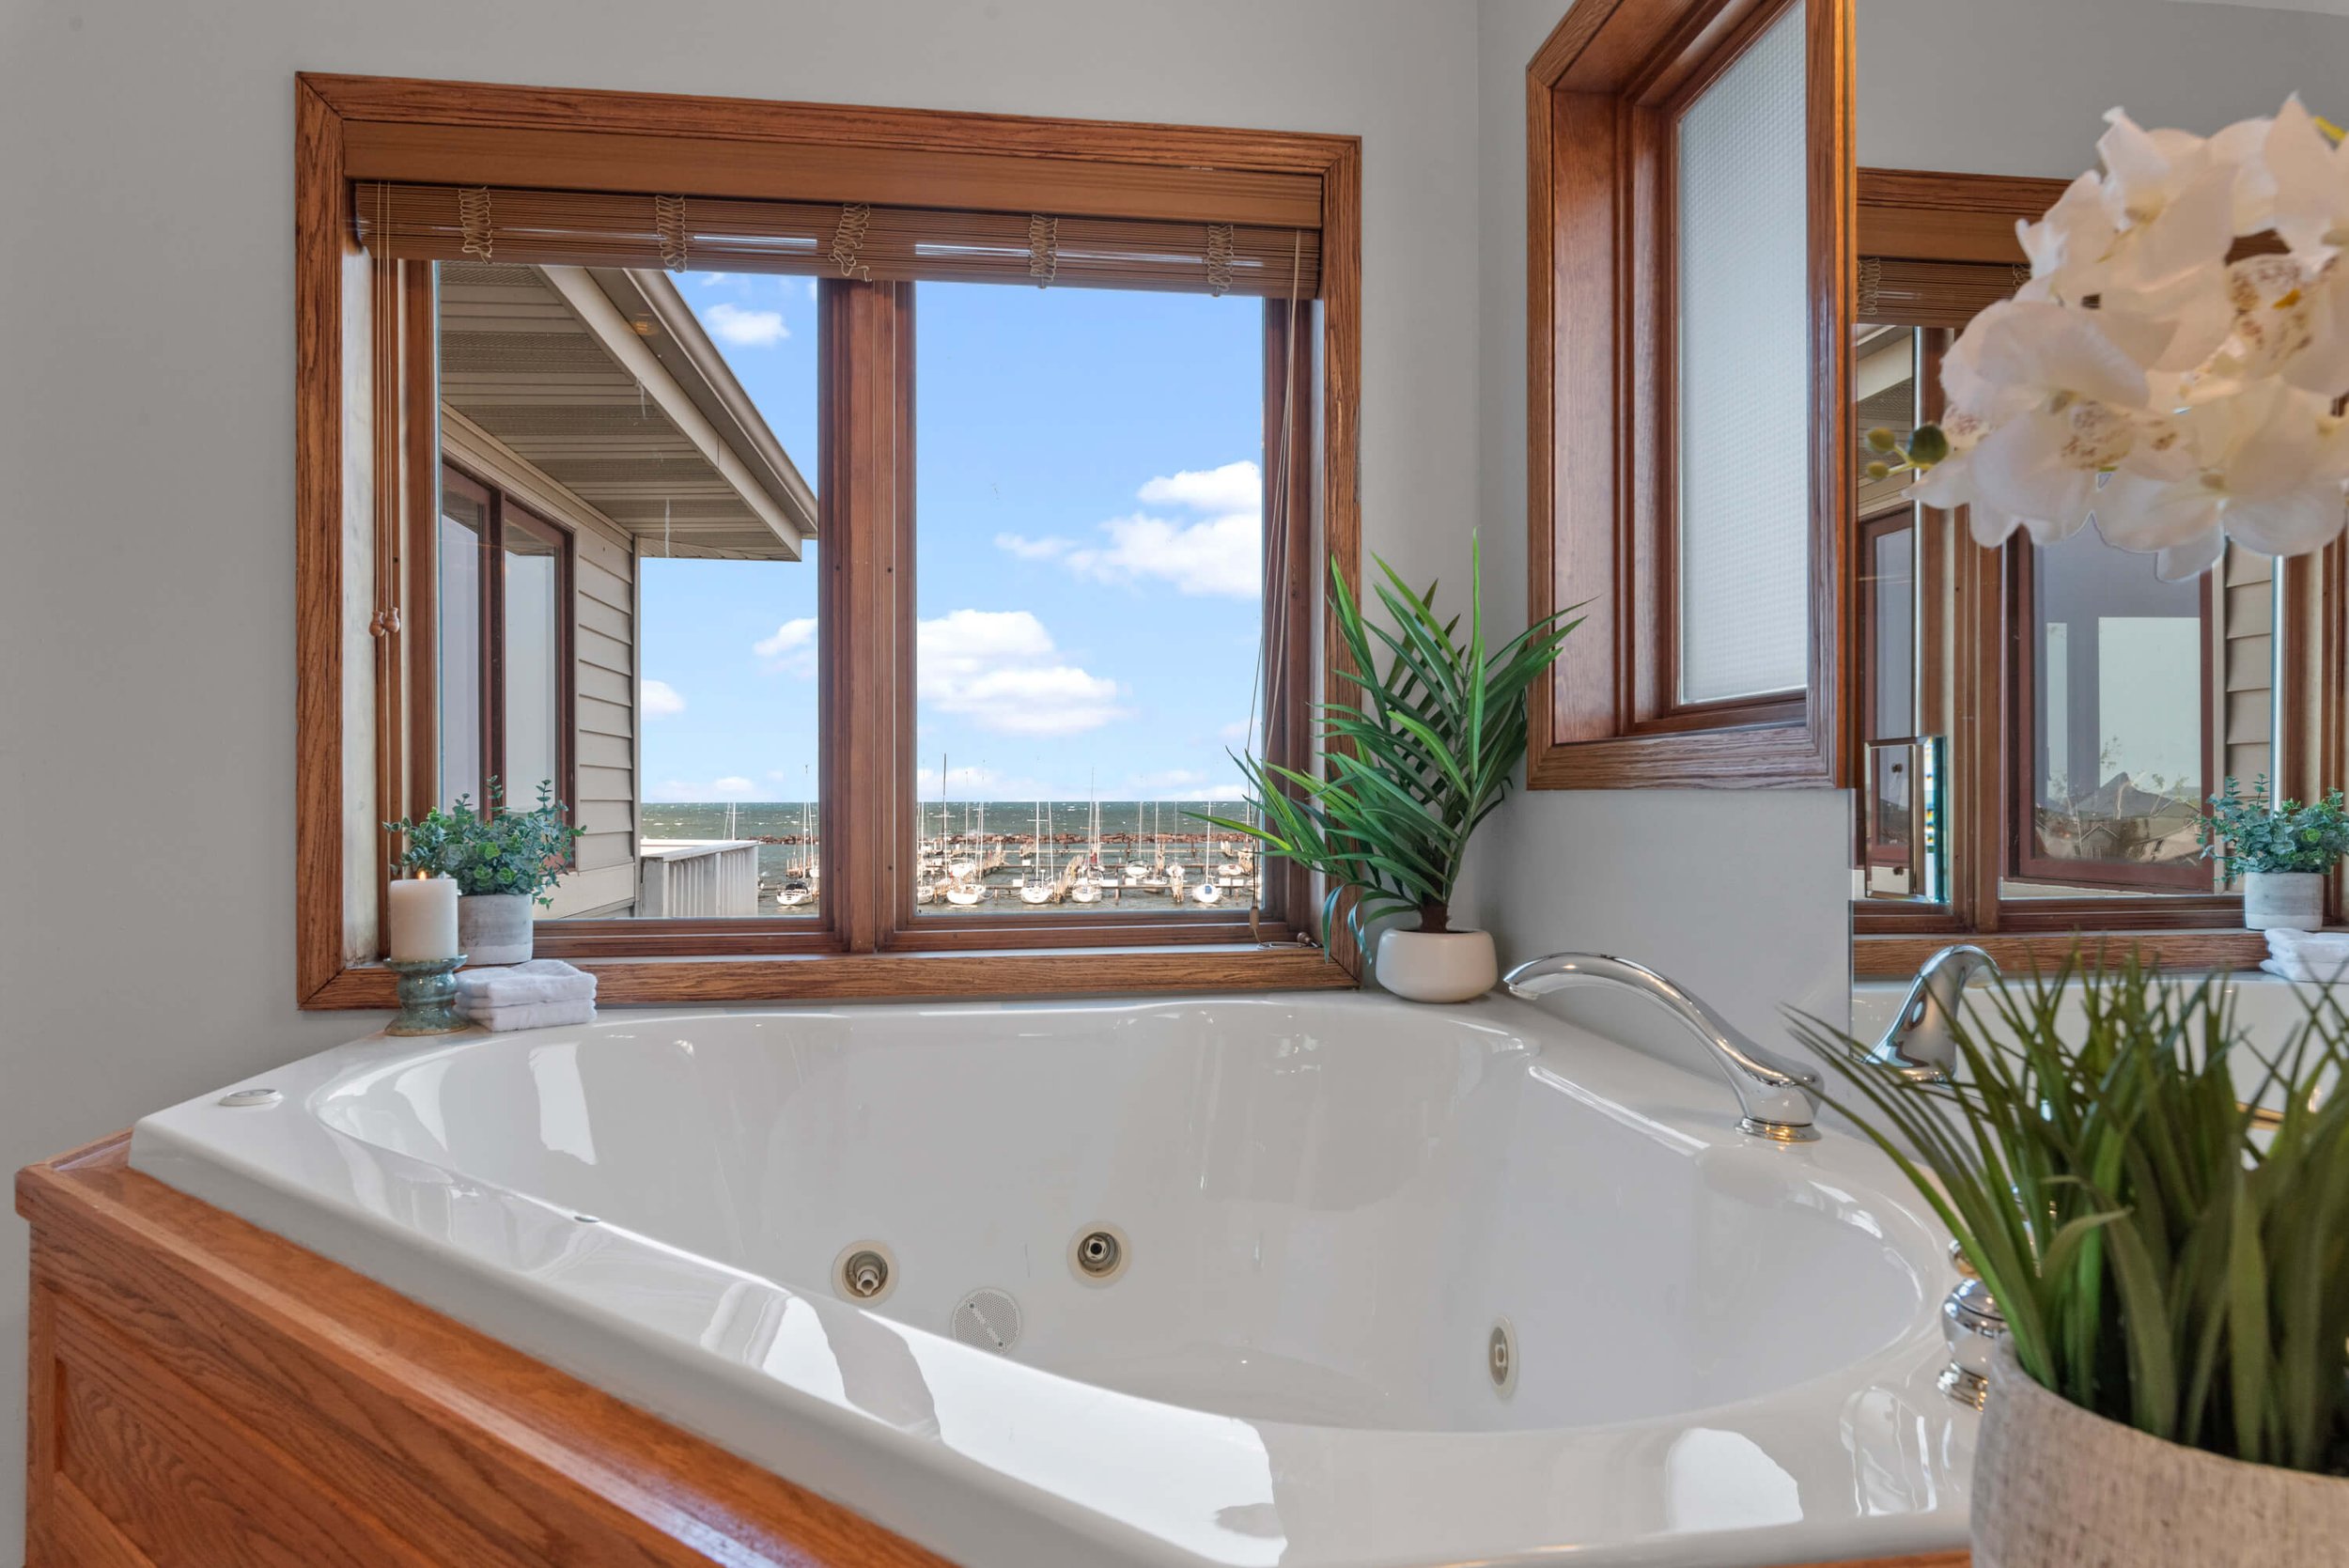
(1413,765)
(503,860)
(2161,1213)
(2280,852)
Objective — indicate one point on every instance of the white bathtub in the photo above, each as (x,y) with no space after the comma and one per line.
(1724,1349)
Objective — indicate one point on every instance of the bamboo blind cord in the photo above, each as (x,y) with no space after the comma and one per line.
(472,210)
(849,238)
(669,214)
(1043,248)
(1273,654)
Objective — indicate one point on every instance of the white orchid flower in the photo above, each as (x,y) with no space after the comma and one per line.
(2055,402)
(2142,379)
(2309,180)
(2264,469)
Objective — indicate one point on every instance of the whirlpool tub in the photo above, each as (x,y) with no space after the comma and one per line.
(1299,1281)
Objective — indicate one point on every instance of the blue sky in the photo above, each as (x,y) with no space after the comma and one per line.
(1086,514)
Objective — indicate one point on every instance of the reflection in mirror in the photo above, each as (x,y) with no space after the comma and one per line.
(2071,706)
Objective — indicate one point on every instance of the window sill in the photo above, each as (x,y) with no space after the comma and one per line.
(1898,956)
(913,976)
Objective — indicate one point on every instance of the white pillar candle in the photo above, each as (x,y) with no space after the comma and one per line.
(423,918)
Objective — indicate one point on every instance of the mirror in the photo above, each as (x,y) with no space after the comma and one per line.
(2041,724)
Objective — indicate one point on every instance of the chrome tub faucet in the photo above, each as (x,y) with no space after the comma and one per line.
(1778,1099)
(1920,1043)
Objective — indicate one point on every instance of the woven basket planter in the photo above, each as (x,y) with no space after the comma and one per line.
(2059,1487)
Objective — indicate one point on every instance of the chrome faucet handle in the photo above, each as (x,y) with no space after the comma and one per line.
(1778,1099)
(1920,1042)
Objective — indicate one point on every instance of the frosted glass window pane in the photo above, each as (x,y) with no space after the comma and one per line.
(1745,377)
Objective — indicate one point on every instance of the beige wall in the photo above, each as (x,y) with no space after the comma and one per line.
(147,607)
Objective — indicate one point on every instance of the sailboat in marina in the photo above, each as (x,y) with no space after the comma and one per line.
(1036,886)
(799,883)
(1085,887)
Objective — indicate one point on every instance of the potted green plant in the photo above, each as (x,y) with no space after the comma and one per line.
(1422,755)
(2280,852)
(502,860)
(2172,1264)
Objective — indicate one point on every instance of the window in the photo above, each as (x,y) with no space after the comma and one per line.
(1688,278)
(1090,623)
(880,584)
(2042,724)
(504,579)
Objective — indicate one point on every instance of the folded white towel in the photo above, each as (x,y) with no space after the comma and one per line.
(2318,956)
(530,1015)
(519,984)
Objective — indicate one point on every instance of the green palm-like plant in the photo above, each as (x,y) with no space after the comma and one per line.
(1422,757)
(2162,1254)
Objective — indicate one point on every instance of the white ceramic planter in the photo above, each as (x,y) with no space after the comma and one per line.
(2288,900)
(494,928)
(2056,1487)
(1450,966)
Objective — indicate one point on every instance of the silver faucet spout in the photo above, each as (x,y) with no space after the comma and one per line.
(1778,1099)
(1920,1043)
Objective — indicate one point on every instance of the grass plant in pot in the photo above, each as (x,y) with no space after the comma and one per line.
(1420,756)
(2281,853)
(503,861)
(2173,1266)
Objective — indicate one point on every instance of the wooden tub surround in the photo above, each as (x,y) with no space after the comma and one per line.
(205,1394)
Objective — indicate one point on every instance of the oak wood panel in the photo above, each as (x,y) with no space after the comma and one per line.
(830,172)
(457,1447)
(321,253)
(180,1477)
(241,1399)
(827,974)
(1931,216)
(1896,956)
(79,1536)
(400,100)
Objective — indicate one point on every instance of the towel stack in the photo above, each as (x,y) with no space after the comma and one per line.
(540,994)
(2317,956)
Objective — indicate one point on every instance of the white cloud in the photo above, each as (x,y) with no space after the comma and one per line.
(660,700)
(729,323)
(1236,731)
(1234,487)
(811,288)
(1215,792)
(1220,556)
(1217,555)
(733,785)
(1026,548)
(792,649)
(1000,669)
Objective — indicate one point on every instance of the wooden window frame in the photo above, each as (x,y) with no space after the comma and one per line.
(1604,94)
(368,462)
(500,511)
(1928,216)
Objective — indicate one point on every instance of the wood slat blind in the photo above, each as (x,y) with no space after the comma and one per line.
(449,223)
(1933,293)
